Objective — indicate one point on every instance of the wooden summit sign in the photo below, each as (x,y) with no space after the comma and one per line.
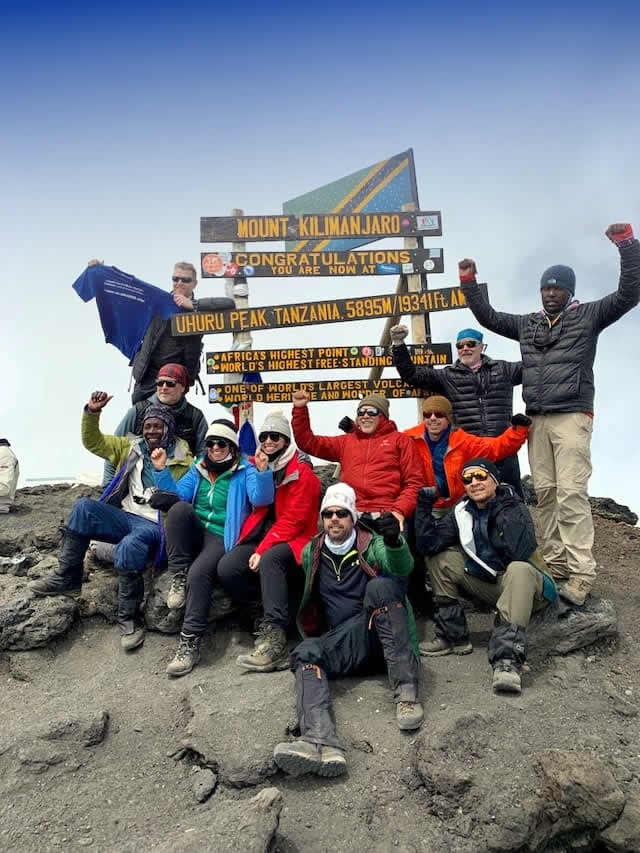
(333,389)
(321,358)
(310,313)
(314,226)
(367,262)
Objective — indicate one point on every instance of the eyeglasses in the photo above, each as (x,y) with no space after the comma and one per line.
(467,479)
(222,443)
(468,344)
(179,278)
(273,436)
(329,513)
(436,414)
(170,383)
(368,413)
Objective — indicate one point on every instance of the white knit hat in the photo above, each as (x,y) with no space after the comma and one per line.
(276,422)
(223,428)
(342,495)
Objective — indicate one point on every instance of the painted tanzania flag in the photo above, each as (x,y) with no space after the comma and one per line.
(385,186)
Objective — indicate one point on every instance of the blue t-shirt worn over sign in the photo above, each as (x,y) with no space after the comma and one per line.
(125,305)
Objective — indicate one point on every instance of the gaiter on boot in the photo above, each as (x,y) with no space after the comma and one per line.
(314,702)
(130,596)
(391,623)
(450,621)
(508,641)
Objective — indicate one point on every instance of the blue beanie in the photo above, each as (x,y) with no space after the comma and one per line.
(469,334)
(559,276)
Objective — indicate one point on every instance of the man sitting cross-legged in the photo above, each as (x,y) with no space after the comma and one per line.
(355,591)
(486,547)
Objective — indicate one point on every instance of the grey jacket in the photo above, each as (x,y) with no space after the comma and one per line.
(557,360)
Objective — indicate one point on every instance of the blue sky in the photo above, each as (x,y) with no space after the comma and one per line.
(124,125)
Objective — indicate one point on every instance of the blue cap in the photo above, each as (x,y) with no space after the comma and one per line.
(467,334)
(559,276)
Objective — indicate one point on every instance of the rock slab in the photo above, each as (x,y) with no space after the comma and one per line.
(558,630)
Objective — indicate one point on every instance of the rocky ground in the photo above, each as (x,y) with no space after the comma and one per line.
(101,750)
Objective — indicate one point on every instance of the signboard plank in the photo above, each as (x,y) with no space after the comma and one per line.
(368,262)
(321,358)
(374,226)
(333,389)
(312,313)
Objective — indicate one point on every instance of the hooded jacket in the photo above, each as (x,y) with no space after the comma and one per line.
(482,399)
(557,358)
(9,473)
(463,446)
(383,468)
(296,505)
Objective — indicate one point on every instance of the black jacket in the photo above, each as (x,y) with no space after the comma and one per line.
(191,344)
(557,360)
(482,400)
(510,526)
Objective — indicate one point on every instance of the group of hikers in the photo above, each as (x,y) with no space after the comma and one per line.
(442,499)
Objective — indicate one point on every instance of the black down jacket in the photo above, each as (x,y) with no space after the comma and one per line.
(557,361)
(482,400)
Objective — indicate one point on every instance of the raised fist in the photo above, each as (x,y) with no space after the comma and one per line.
(398,334)
(427,496)
(159,458)
(346,424)
(467,269)
(261,460)
(620,233)
(389,528)
(98,400)
(300,398)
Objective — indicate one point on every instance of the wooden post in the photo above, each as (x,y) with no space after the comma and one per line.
(239,291)
(414,285)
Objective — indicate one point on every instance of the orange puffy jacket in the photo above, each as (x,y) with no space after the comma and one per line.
(462,447)
(383,468)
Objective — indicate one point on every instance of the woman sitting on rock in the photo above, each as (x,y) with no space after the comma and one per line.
(217,495)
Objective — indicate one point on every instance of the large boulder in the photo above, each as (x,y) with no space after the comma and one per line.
(28,622)
(558,629)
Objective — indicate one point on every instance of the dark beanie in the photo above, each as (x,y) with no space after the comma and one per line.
(559,276)
(484,465)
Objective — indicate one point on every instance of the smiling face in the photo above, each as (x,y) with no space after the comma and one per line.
(554,299)
(368,418)
(272,442)
(337,523)
(217,448)
(481,491)
(469,351)
(436,423)
(185,282)
(169,391)
(152,432)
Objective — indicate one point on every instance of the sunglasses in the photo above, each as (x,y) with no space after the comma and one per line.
(467,479)
(468,344)
(368,413)
(222,443)
(170,383)
(329,513)
(436,414)
(273,436)
(179,278)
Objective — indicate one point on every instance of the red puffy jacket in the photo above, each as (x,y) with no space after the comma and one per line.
(383,468)
(461,448)
(297,503)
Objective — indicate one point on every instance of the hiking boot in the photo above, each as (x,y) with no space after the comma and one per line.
(132,636)
(270,652)
(439,647)
(302,757)
(187,655)
(409,715)
(57,584)
(575,591)
(177,591)
(506,677)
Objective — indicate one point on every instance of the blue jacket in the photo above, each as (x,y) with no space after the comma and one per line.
(249,487)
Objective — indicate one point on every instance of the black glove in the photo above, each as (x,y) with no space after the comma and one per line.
(520,420)
(428,495)
(389,528)
(346,424)
(163,500)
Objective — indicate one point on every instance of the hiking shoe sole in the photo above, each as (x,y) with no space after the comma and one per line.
(70,593)
(464,649)
(273,666)
(175,673)
(296,764)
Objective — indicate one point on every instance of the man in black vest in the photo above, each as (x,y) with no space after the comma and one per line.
(171,386)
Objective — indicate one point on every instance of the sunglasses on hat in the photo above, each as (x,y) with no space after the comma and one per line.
(222,443)
(273,436)
(181,279)
(368,413)
(467,479)
(468,344)
(170,383)
(340,513)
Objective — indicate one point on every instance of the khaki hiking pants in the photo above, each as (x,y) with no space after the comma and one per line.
(560,462)
(516,593)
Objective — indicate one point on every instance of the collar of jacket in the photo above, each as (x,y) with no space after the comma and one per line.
(241,463)
(363,540)
(384,428)
(486,361)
